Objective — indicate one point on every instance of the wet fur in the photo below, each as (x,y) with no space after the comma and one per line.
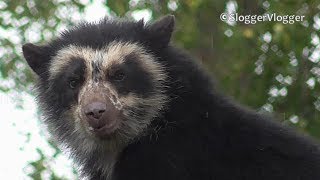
(199,135)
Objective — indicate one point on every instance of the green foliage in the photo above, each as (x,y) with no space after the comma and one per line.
(269,66)
(25,21)
(40,167)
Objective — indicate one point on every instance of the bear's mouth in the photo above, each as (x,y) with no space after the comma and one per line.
(105,130)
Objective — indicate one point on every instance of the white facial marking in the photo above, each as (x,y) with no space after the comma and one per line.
(113,96)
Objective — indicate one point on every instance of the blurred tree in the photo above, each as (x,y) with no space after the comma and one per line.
(270,66)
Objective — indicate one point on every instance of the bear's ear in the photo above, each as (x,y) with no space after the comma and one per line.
(36,57)
(160,31)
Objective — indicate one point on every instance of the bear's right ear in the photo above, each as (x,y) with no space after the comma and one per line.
(160,31)
(36,57)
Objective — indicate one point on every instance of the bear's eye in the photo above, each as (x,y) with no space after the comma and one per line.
(73,83)
(118,76)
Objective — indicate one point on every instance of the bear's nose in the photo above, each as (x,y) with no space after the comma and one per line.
(95,110)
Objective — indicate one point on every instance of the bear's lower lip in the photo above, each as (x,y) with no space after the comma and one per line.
(105,130)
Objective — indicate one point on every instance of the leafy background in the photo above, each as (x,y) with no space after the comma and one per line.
(269,66)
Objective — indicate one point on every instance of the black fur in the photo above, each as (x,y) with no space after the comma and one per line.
(61,84)
(137,80)
(96,73)
(201,135)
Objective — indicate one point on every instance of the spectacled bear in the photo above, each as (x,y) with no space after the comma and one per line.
(128,104)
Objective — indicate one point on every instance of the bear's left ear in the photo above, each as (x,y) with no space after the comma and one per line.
(159,32)
(36,57)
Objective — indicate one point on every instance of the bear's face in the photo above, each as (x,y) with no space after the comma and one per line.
(101,94)
(108,93)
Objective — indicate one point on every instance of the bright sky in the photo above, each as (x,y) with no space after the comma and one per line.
(16,151)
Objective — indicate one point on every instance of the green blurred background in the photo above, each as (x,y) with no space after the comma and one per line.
(269,66)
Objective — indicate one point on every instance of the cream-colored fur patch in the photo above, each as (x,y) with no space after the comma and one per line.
(112,54)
